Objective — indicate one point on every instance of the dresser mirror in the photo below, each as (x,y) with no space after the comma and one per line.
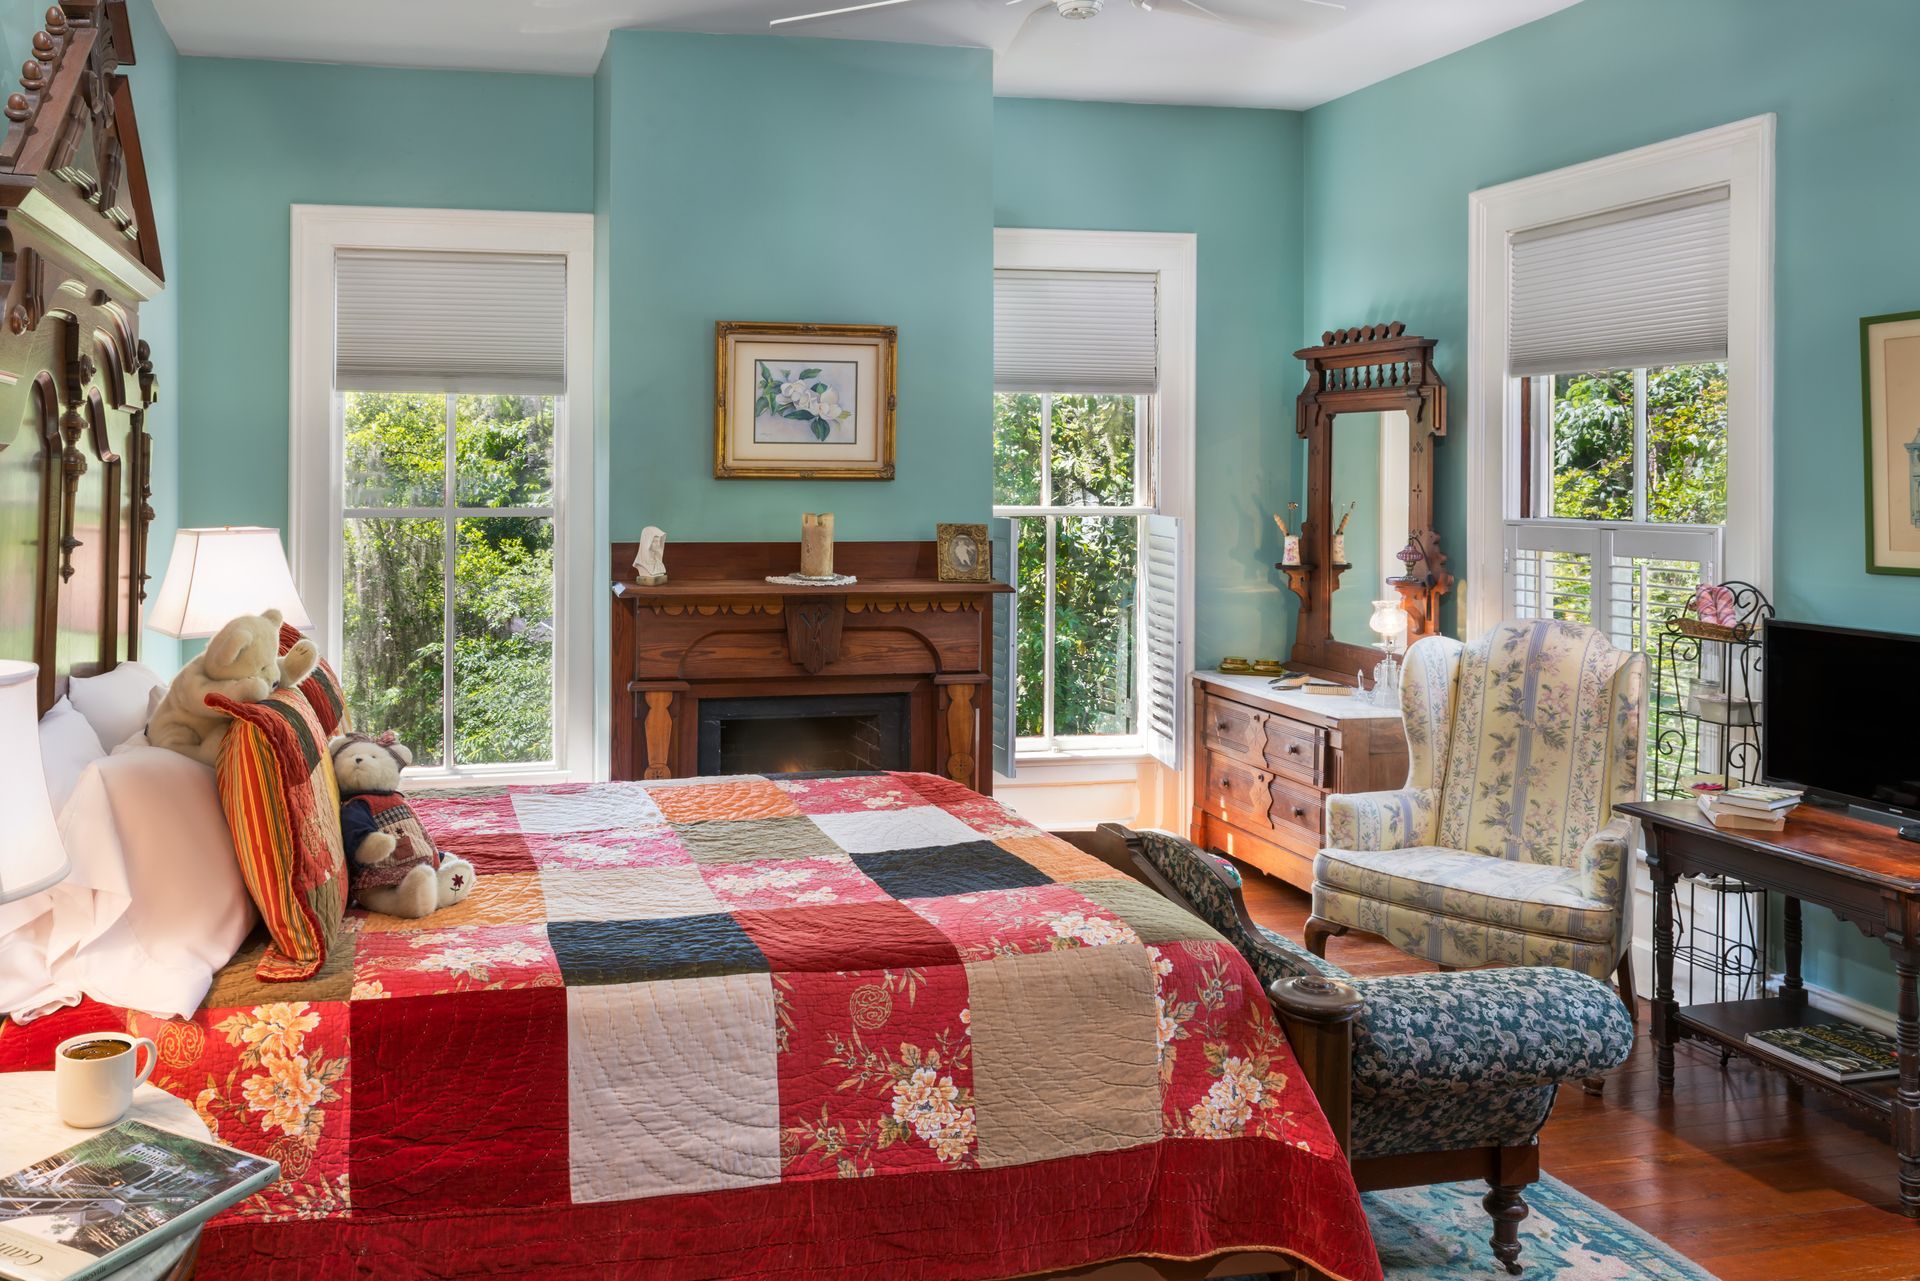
(1370,412)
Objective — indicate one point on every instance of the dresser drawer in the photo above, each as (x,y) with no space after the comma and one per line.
(1296,749)
(1291,805)
(1234,729)
(1237,792)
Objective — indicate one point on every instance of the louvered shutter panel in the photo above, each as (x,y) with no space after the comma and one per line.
(1634,288)
(1004,555)
(450,322)
(1161,625)
(1086,332)
(1623,579)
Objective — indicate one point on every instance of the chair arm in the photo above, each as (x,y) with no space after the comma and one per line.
(1317,1014)
(1604,859)
(1479,1029)
(1382,820)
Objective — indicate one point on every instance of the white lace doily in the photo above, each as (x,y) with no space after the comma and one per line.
(801,580)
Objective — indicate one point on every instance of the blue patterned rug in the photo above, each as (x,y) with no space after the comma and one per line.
(1439,1233)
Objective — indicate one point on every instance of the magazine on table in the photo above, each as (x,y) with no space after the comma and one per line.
(1844,1052)
(90,1209)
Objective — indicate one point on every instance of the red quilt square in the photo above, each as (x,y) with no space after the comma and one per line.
(983,814)
(876,1073)
(480,829)
(846,936)
(461,1105)
(467,958)
(1225,1070)
(791,882)
(655,846)
(1033,918)
(853,794)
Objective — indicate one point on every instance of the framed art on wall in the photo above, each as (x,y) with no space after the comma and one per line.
(812,402)
(1890,396)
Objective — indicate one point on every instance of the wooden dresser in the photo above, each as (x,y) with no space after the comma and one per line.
(1265,762)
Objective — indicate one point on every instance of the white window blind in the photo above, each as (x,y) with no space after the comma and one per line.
(1087,332)
(1639,287)
(1624,579)
(450,322)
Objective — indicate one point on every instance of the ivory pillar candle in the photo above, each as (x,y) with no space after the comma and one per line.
(816,544)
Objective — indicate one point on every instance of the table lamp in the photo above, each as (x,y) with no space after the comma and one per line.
(1389,622)
(31,855)
(216,575)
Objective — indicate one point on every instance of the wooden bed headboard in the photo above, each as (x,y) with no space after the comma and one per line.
(78,255)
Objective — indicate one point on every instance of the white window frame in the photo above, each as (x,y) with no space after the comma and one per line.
(316,482)
(1172,257)
(1738,156)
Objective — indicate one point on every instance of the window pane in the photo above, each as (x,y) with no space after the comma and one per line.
(392,599)
(1030,623)
(1095,573)
(1093,451)
(503,641)
(1593,445)
(395,448)
(503,451)
(1016,449)
(1687,444)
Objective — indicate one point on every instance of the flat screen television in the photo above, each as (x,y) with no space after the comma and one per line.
(1840,715)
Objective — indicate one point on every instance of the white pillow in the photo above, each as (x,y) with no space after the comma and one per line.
(67,746)
(115,702)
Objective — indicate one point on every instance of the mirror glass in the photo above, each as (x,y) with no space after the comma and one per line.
(1370,474)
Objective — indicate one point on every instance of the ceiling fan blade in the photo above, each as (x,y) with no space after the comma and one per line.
(835,13)
(1026,24)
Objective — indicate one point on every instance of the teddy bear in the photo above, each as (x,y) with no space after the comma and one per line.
(392,865)
(243,661)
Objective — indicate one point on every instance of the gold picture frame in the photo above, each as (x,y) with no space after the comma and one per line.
(963,554)
(804,402)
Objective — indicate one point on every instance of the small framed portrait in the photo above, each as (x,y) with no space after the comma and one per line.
(963,554)
(809,402)
(1890,394)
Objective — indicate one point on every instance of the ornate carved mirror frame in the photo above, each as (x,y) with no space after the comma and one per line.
(1372,369)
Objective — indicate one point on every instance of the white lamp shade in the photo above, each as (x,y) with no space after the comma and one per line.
(31,856)
(1389,621)
(216,575)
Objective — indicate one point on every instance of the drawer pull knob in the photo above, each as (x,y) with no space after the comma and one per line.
(1293,749)
(1298,812)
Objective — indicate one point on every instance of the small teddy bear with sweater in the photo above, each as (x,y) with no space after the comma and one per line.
(392,865)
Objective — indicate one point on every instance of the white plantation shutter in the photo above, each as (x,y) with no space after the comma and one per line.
(425,321)
(1087,332)
(1004,557)
(1633,288)
(1623,579)
(1160,717)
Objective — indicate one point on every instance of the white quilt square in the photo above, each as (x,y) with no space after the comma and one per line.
(672,1087)
(626,893)
(606,807)
(907,829)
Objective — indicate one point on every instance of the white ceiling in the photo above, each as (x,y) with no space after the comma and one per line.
(1289,53)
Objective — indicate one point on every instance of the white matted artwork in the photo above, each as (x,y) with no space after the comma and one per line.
(805,401)
(1890,395)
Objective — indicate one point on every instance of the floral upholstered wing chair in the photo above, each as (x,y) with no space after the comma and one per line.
(1503,848)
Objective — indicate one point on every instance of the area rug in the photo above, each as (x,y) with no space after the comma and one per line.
(1439,1233)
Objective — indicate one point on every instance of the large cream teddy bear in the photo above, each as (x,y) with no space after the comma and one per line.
(243,661)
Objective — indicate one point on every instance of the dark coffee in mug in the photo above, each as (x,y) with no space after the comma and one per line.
(97,1049)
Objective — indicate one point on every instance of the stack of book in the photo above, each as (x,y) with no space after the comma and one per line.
(1844,1052)
(1749,809)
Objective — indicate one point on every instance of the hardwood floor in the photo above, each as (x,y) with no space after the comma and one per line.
(1740,1169)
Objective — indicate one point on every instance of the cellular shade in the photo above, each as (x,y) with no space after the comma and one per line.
(216,575)
(469,322)
(1094,333)
(1639,287)
(31,855)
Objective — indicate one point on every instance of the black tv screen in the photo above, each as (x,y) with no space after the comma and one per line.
(1840,714)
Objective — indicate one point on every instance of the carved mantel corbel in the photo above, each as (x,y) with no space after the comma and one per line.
(814,626)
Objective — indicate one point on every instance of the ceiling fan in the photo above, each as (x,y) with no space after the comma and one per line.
(1081,9)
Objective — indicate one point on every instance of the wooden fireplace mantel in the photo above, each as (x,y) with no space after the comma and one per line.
(718,630)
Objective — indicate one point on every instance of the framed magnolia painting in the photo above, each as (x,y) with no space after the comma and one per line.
(803,401)
(1890,392)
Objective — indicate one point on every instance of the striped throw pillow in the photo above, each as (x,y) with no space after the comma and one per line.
(323,689)
(283,807)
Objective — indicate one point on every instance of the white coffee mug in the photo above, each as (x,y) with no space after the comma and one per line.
(90,1093)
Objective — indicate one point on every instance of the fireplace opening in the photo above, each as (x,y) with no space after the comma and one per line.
(804,733)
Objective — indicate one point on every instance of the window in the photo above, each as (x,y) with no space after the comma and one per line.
(1092,477)
(442,497)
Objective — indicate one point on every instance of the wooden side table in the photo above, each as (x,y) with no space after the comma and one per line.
(30,1128)
(1861,872)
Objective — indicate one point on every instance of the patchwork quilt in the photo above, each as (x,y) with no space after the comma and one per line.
(867,1026)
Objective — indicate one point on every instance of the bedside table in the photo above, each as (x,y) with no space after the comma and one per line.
(30,1128)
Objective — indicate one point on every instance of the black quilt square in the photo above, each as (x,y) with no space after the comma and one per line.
(938,871)
(679,947)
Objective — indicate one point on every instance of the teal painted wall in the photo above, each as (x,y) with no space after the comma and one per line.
(258,137)
(1386,238)
(763,178)
(1233,179)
